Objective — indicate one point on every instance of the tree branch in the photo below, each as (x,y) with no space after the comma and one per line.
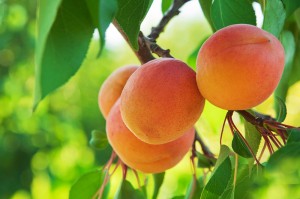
(204,147)
(148,45)
(173,11)
(154,48)
(143,53)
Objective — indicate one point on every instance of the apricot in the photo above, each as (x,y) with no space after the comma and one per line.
(112,87)
(239,67)
(161,101)
(139,155)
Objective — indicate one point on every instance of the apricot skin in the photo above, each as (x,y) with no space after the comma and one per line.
(112,88)
(139,155)
(239,67)
(161,101)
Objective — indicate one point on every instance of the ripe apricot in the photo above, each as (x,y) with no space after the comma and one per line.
(239,67)
(161,101)
(139,155)
(112,87)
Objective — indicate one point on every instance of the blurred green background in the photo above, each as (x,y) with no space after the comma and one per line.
(42,153)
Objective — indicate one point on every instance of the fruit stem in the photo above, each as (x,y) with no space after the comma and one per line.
(235,129)
(137,177)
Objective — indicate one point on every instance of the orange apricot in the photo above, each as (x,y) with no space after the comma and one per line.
(112,87)
(139,155)
(239,67)
(161,101)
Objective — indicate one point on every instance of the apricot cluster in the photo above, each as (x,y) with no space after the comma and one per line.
(151,109)
(150,112)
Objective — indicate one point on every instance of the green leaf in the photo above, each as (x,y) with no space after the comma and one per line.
(65,47)
(295,74)
(204,161)
(218,182)
(228,12)
(87,185)
(47,11)
(280,109)
(126,191)
(288,42)
(99,140)
(288,153)
(228,194)
(220,178)
(130,16)
(193,57)
(195,189)
(178,197)
(245,180)
(165,5)
(252,135)
(158,180)
(291,6)
(224,153)
(102,13)
(240,147)
(282,172)
(206,8)
(274,17)
(294,135)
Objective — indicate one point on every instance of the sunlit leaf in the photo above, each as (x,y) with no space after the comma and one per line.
(193,57)
(130,16)
(288,153)
(274,17)
(99,140)
(220,178)
(165,5)
(47,11)
(158,180)
(252,135)
(295,74)
(239,146)
(178,197)
(87,185)
(228,12)
(126,191)
(206,9)
(288,42)
(280,108)
(294,135)
(245,179)
(65,47)
(102,12)
(195,189)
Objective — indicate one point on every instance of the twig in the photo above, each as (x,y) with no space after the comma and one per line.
(173,11)
(148,45)
(143,53)
(154,48)
(204,147)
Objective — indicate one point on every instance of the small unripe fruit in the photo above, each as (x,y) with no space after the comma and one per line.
(161,101)
(112,88)
(239,67)
(139,155)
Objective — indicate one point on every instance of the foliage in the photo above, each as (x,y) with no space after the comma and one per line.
(46,151)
